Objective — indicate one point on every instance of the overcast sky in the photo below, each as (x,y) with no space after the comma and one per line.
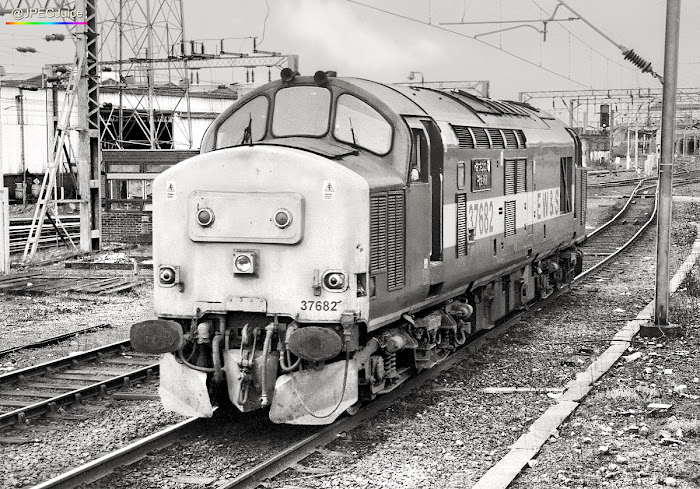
(359,41)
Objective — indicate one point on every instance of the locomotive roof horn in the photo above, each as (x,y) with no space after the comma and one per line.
(321,77)
(287,75)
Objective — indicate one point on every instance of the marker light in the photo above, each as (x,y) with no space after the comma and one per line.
(168,275)
(244,262)
(283,218)
(334,281)
(205,217)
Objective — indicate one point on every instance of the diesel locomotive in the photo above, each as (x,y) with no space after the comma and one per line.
(336,235)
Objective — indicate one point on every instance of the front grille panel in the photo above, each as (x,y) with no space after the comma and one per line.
(377,233)
(395,240)
(387,236)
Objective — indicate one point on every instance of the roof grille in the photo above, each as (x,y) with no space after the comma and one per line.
(511,139)
(497,140)
(464,136)
(481,138)
(489,138)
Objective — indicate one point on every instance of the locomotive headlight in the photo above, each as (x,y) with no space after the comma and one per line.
(245,262)
(168,275)
(334,281)
(205,217)
(283,218)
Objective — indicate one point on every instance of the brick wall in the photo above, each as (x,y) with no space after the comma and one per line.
(127,227)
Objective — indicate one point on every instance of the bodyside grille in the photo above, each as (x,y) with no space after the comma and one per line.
(584,195)
(387,236)
(515,176)
(520,176)
(510,177)
(461,225)
(509,227)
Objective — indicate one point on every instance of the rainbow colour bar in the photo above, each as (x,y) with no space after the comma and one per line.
(45,23)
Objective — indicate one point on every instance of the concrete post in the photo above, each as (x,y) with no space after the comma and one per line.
(668,123)
(4,231)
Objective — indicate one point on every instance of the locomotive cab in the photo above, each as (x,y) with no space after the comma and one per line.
(337,234)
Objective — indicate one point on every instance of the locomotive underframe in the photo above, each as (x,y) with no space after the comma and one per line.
(253,360)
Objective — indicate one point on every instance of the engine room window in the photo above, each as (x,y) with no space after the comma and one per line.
(359,124)
(247,124)
(481,175)
(565,181)
(301,111)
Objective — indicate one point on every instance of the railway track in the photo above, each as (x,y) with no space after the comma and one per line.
(53,340)
(44,388)
(19,232)
(607,242)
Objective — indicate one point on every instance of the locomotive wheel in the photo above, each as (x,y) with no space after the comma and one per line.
(354,409)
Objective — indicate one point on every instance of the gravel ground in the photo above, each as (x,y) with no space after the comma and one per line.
(447,434)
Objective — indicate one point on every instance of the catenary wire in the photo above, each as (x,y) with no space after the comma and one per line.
(468,37)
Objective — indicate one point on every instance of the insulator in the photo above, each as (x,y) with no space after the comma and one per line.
(637,60)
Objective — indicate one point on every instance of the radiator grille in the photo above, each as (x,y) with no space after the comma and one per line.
(387,211)
(497,141)
(461,225)
(521,138)
(509,226)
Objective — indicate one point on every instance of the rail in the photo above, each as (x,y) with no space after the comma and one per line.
(24,383)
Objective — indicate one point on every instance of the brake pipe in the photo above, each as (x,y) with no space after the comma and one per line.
(269,331)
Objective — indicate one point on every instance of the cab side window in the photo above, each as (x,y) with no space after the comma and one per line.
(420,152)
